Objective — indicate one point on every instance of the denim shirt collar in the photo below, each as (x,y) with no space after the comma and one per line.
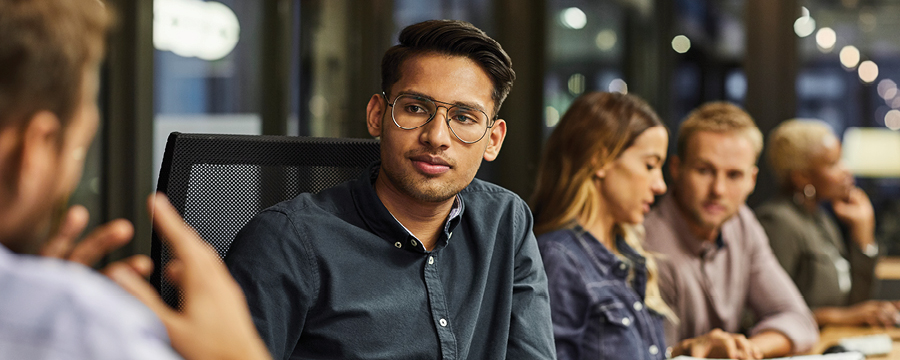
(382,223)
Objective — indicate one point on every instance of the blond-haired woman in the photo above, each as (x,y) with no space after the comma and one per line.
(599,175)
(835,276)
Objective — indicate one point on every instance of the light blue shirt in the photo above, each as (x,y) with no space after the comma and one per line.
(54,309)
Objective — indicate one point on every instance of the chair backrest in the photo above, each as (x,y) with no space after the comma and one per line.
(219,182)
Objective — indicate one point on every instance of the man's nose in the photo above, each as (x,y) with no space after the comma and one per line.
(436,132)
(718,185)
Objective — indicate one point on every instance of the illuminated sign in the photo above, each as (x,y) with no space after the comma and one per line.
(207,30)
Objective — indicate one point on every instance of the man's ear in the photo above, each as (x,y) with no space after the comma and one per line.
(675,167)
(29,153)
(41,141)
(375,114)
(495,140)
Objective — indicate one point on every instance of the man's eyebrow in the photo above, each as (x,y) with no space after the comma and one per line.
(707,163)
(458,103)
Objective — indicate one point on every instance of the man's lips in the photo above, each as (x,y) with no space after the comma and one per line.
(713,207)
(431,165)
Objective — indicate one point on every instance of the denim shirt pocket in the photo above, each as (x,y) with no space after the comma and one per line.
(618,336)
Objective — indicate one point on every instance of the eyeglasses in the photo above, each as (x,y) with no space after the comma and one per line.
(412,111)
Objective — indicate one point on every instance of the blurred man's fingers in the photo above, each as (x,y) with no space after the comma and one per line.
(141,264)
(124,275)
(175,272)
(172,228)
(60,244)
(102,241)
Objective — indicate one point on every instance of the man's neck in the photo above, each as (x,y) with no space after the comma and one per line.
(424,220)
(703,233)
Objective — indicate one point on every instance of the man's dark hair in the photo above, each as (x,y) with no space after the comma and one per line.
(455,38)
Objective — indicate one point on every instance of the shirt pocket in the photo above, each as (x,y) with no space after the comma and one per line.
(617,335)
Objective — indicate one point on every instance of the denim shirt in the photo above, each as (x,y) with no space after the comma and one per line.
(598,310)
(335,276)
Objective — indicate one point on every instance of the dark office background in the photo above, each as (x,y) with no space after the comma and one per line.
(308,67)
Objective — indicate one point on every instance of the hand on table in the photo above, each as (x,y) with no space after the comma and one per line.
(718,344)
(100,242)
(215,321)
(874,313)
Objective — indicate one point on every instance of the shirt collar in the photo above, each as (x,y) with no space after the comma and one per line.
(382,223)
(605,256)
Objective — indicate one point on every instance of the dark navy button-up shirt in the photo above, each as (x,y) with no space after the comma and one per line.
(597,300)
(335,276)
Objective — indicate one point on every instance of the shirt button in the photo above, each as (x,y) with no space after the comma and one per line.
(638,306)
(623,266)
(626,321)
(430,260)
(398,244)
(413,242)
(443,322)
(654,350)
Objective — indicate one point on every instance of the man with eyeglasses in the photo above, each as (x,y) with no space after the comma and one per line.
(416,259)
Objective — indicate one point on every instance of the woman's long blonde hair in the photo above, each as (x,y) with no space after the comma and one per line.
(593,132)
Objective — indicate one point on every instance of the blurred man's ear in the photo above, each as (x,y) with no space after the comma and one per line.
(675,167)
(39,148)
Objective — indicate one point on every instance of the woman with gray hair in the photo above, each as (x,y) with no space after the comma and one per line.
(834,275)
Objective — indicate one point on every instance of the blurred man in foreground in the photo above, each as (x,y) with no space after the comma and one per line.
(50,51)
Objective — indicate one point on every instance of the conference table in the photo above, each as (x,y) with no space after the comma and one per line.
(888,269)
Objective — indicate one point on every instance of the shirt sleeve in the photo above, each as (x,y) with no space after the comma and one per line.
(774,297)
(862,268)
(275,269)
(569,300)
(674,330)
(530,329)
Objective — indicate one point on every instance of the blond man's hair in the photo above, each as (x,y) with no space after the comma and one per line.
(719,117)
(793,143)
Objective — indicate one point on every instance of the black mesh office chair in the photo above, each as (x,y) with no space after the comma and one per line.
(219,182)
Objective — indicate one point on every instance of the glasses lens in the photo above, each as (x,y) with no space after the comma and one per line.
(411,112)
(468,124)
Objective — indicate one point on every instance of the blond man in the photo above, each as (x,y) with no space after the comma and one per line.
(717,262)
